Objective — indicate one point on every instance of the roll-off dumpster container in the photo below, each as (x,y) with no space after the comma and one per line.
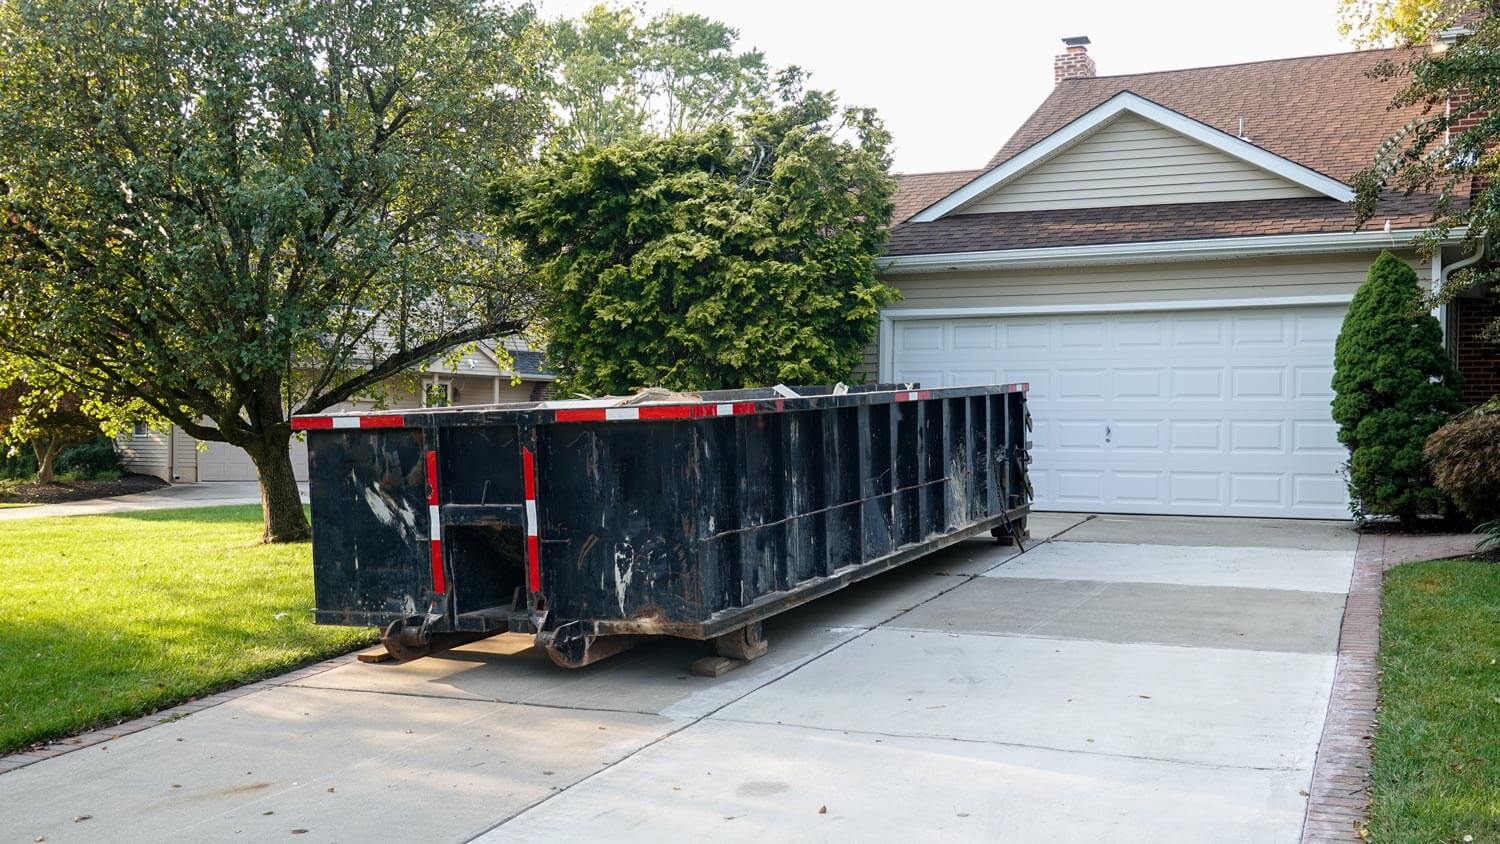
(593,523)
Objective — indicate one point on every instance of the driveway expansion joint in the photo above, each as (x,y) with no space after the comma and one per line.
(1214,766)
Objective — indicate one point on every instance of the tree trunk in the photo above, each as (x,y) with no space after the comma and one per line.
(281,504)
(46,459)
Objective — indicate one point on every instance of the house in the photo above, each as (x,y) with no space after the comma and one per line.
(1166,258)
(476,378)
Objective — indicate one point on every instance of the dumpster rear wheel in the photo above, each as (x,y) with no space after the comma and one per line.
(406,639)
(733,649)
(1011,533)
(569,646)
(746,643)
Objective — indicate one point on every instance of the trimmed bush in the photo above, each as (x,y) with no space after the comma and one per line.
(1394,385)
(1465,456)
(20,466)
(93,458)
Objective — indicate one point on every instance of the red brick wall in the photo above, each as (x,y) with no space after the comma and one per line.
(1075,63)
(1478,359)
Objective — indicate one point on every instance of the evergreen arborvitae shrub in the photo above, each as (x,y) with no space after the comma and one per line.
(1393,384)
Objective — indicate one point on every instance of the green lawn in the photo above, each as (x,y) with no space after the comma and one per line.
(104,617)
(1436,775)
(4,505)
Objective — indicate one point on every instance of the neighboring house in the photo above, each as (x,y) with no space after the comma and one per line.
(1166,258)
(477,378)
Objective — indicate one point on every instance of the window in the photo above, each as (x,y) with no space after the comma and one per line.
(141,429)
(435,395)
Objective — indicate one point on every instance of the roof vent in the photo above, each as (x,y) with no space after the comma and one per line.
(1074,62)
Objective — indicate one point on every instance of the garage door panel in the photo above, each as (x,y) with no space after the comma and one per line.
(224,462)
(1145,383)
(1080,384)
(1258,383)
(1212,412)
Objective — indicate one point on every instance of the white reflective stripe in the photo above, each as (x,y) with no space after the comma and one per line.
(531,517)
(912,396)
(622,413)
(725,410)
(346,421)
(435,519)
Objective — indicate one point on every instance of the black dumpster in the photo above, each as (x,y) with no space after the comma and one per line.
(593,523)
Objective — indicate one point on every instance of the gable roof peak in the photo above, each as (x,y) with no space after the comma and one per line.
(1123,102)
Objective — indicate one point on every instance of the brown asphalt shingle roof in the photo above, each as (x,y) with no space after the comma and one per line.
(1323,112)
(1144,223)
(915,191)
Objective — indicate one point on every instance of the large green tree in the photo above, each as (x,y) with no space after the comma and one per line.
(1394,385)
(231,212)
(739,255)
(1452,149)
(620,77)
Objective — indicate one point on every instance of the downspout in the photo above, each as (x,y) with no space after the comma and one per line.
(171,454)
(1441,284)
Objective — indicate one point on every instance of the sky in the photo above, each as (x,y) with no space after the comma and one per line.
(953,80)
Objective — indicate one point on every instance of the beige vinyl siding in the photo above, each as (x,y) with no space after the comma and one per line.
(186,464)
(1166,282)
(868,370)
(145,453)
(1318,275)
(1132,161)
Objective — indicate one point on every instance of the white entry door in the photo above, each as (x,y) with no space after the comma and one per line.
(1221,412)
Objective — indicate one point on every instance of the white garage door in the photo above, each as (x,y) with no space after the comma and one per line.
(1220,412)
(224,462)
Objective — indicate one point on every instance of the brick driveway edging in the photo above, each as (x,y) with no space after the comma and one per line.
(94,737)
(1339,798)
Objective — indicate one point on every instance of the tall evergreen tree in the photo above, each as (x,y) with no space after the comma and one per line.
(1394,384)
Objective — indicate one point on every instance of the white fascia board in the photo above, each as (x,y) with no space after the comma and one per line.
(1154,306)
(1156,250)
(1136,104)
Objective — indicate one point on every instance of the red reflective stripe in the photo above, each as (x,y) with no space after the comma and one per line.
(588,414)
(382,421)
(439,581)
(926,394)
(432,478)
(533,541)
(308,423)
(533,563)
(528,473)
(744,407)
(678,411)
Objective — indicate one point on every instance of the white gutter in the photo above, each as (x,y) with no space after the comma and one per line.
(1155,251)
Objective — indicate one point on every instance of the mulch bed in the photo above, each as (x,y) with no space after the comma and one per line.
(34,493)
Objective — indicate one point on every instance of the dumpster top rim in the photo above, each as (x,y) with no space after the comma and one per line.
(704,405)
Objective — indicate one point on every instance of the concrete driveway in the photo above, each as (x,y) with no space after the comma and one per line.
(211,494)
(1130,679)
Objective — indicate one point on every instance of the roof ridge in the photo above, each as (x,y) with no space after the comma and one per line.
(1243,64)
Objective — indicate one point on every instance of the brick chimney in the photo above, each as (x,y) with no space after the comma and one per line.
(1074,62)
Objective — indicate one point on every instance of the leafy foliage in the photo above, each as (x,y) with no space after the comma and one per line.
(1394,385)
(1452,149)
(233,212)
(39,415)
(1379,22)
(91,459)
(1465,457)
(740,255)
(620,78)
